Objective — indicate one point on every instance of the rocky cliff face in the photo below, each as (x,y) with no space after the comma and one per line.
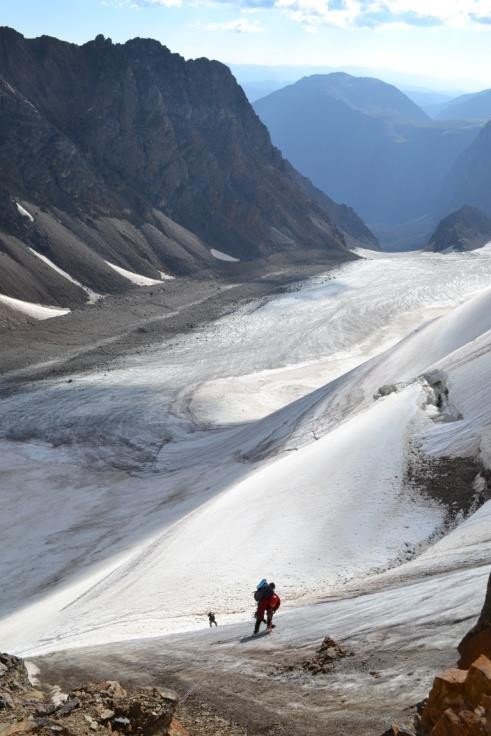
(459,702)
(477,641)
(466,229)
(132,155)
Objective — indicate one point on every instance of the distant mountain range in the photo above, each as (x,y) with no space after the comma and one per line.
(367,144)
(475,106)
(130,156)
(469,179)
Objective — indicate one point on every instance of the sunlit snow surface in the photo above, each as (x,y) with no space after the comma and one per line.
(135,278)
(37,311)
(220,256)
(254,447)
(22,210)
(93,296)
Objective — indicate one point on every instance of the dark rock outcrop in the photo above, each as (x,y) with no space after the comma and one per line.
(130,154)
(477,641)
(466,229)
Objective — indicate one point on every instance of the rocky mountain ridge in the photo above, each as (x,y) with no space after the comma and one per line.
(466,229)
(367,144)
(129,155)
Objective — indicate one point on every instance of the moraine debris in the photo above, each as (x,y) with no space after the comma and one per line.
(95,708)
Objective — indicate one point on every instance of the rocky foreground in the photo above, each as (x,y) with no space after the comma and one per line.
(104,707)
(459,703)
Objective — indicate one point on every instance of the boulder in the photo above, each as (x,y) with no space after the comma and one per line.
(459,703)
(328,653)
(463,723)
(478,682)
(478,640)
(447,691)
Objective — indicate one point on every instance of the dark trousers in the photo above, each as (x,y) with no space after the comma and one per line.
(260,618)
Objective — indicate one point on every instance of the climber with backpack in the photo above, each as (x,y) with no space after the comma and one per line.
(268,602)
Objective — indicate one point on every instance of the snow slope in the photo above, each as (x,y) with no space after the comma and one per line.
(38,311)
(151,506)
(93,296)
(22,210)
(135,278)
(220,256)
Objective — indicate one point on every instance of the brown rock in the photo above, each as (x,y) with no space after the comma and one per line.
(450,724)
(36,695)
(475,644)
(447,691)
(478,681)
(105,714)
(177,729)
(463,723)
(328,652)
(24,726)
(478,640)
(115,689)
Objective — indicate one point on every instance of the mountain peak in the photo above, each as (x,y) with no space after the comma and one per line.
(139,158)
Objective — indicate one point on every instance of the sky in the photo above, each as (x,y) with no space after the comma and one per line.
(441,44)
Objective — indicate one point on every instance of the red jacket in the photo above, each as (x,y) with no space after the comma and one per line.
(272,603)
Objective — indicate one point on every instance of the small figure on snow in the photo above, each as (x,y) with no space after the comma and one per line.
(212,619)
(268,602)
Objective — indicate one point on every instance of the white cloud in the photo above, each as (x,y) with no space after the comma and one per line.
(347,13)
(137,4)
(241,25)
(374,13)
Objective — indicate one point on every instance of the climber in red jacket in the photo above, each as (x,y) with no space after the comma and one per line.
(268,602)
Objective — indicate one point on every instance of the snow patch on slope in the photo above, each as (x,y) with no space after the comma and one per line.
(22,210)
(135,278)
(92,295)
(38,311)
(220,256)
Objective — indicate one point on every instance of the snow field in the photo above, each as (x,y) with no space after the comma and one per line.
(305,488)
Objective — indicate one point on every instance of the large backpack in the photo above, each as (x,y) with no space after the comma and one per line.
(263,591)
(258,593)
